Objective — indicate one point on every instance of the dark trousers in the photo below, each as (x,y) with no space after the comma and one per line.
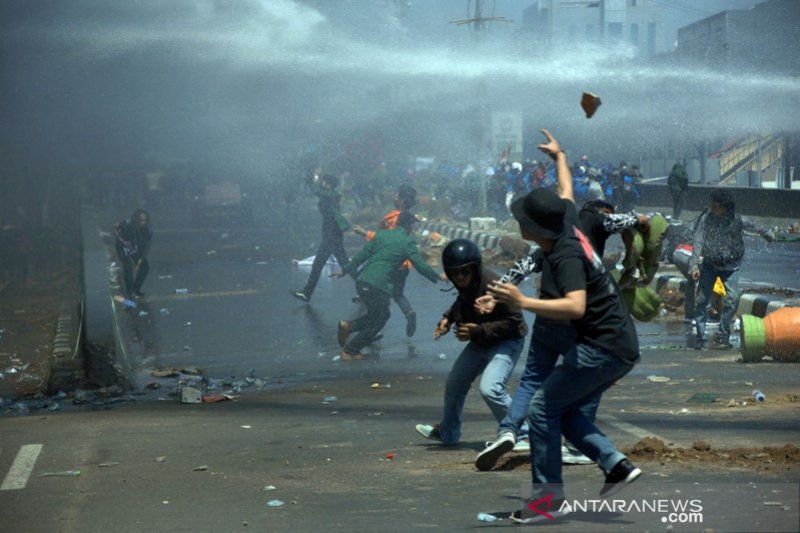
(369,324)
(332,244)
(399,282)
(677,204)
(132,276)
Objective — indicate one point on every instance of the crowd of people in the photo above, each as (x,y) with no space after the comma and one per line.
(583,338)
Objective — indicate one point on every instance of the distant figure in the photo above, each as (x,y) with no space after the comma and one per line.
(678,183)
(333,227)
(133,237)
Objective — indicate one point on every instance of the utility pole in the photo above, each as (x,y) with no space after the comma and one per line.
(477,22)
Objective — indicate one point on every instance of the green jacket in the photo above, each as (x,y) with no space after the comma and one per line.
(383,255)
(678,181)
(329,200)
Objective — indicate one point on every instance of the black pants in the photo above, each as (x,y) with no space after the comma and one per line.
(133,277)
(332,244)
(369,324)
(677,205)
(399,281)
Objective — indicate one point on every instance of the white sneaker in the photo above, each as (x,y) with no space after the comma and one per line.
(574,457)
(429,432)
(522,445)
(488,457)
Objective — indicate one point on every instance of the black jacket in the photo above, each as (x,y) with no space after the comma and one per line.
(499,325)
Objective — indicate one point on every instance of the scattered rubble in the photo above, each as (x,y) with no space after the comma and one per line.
(766,458)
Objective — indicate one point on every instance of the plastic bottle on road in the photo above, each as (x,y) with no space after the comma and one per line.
(65,473)
(759,396)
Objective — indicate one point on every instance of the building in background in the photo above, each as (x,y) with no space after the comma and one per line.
(637,22)
(763,38)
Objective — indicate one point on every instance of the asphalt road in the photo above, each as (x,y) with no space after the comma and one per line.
(339,452)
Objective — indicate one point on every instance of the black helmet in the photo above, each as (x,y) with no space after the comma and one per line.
(459,253)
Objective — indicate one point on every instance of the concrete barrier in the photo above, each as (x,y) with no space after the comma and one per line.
(106,358)
(749,303)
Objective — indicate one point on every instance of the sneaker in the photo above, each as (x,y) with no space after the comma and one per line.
(343,331)
(411,324)
(688,320)
(347,356)
(724,344)
(429,432)
(541,510)
(501,446)
(574,457)
(522,445)
(619,477)
(300,295)
(699,345)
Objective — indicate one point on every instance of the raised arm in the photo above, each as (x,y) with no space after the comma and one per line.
(563,175)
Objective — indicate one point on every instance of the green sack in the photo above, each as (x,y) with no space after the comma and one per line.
(642,303)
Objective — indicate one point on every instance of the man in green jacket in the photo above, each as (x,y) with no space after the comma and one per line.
(381,257)
(333,227)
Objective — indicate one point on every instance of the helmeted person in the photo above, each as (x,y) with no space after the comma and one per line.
(494,343)
(518,182)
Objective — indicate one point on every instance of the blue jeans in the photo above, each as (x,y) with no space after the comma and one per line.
(496,364)
(705,287)
(549,341)
(582,376)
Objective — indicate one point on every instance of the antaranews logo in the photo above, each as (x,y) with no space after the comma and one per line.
(672,511)
(548,500)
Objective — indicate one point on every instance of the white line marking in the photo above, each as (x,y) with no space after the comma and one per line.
(22,467)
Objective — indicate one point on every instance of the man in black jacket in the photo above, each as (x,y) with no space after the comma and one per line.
(678,183)
(132,243)
(494,343)
(333,227)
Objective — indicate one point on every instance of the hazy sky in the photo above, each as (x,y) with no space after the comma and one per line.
(97,83)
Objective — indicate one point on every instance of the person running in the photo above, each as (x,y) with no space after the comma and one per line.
(333,227)
(494,343)
(381,257)
(132,242)
(405,199)
(606,345)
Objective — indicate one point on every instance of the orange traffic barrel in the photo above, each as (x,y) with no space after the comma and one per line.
(776,335)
